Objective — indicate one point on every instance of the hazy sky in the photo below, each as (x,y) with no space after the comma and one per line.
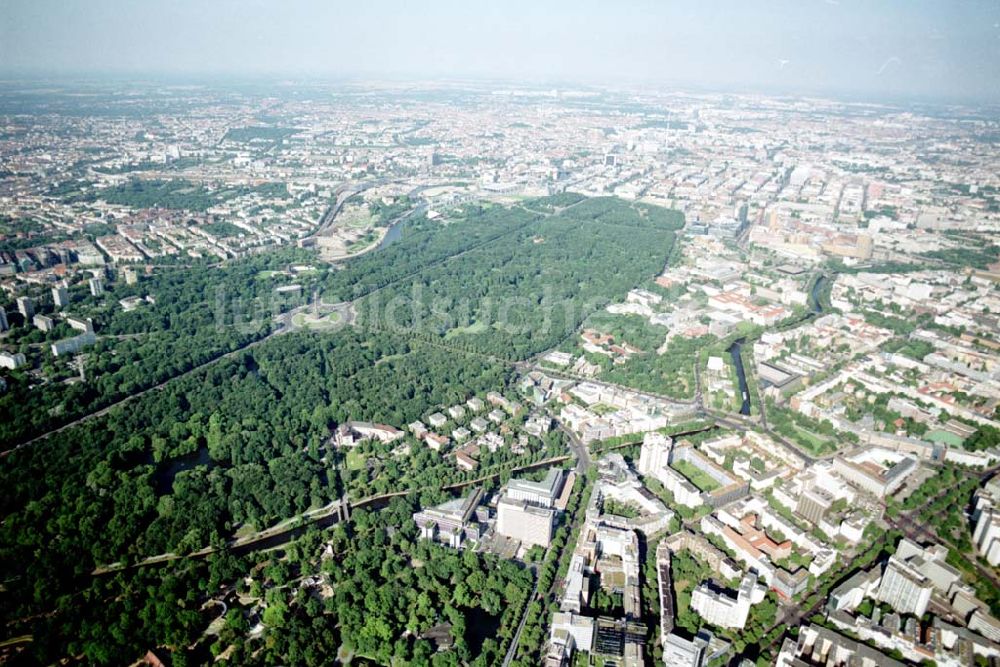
(941,48)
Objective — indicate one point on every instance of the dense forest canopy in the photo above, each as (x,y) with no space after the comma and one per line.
(243,442)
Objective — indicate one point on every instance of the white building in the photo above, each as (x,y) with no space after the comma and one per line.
(816,645)
(520,520)
(720,608)
(43,322)
(865,469)
(680,652)
(12,360)
(26,307)
(576,591)
(904,588)
(654,461)
(74,344)
(580,628)
(96,286)
(80,323)
(542,493)
(60,296)
(655,453)
(987,536)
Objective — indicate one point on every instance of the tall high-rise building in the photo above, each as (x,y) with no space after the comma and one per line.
(904,588)
(60,296)
(720,608)
(4,324)
(12,360)
(26,307)
(531,524)
(96,286)
(43,322)
(813,505)
(655,453)
(987,536)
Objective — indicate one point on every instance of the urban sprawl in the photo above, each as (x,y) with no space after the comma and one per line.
(777,446)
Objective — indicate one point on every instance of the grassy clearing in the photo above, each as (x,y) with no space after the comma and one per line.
(354,460)
(307,321)
(474,328)
(697,477)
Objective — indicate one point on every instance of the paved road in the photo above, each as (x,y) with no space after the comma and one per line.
(512,650)
(580,451)
(582,463)
(343,193)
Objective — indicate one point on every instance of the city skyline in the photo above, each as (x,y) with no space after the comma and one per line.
(882,52)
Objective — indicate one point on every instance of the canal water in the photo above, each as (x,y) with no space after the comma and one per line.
(394,234)
(814,295)
(734,352)
(735,349)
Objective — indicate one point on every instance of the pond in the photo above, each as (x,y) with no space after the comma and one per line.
(166,472)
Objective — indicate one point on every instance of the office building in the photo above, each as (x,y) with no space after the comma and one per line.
(980,621)
(655,453)
(681,652)
(814,504)
(852,592)
(875,470)
(580,628)
(816,645)
(542,493)
(520,520)
(576,591)
(451,523)
(987,536)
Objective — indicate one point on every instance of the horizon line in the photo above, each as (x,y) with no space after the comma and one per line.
(202,77)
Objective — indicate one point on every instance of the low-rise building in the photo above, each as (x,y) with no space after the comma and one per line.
(451,523)
(816,645)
